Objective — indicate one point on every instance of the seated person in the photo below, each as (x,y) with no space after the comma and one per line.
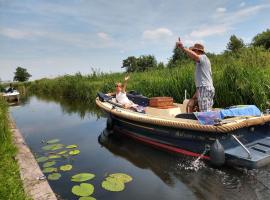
(192,105)
(121,95)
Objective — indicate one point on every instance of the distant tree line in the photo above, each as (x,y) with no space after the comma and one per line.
(179,58)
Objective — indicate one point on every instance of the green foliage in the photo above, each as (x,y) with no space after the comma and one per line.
(140,64)
(10,181)
(83,190)
(54,176)
(235,44)
(21,75)
(179,58)
(262,39)
(82,177)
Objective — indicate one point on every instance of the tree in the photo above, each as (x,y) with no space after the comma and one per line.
(21,74)
(140,64)
(235,44)
(262,39)
(130,64)
(178,58)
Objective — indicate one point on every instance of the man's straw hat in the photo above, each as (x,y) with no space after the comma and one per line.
(198,47)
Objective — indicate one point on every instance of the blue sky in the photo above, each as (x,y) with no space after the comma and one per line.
(54,37)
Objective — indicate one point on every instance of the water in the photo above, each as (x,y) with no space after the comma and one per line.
(156,174)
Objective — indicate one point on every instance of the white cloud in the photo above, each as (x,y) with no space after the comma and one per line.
(19,34)
(225,22)
(103,36)
(221,10)
(209,30)
(159,33)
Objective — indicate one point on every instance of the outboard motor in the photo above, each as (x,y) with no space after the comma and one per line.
(217,155)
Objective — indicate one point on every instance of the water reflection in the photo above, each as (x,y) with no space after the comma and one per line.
(206,182)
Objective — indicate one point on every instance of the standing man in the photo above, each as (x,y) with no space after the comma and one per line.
(205,90)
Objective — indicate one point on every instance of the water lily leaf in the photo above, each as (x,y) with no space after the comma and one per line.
(121,177)
(87,198)
(62,152)
(113,185)
(54,156)
(52,147)
(83,190)
(66,167)
(49,164)
(71,146)
(53,141)
(42,159)
(54,176)
(82,177)
(49,170)
(74,152)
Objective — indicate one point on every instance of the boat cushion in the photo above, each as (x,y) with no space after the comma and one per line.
(208,118)
(243,110)
(138,99)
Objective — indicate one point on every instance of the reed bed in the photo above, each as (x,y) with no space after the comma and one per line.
(239,78)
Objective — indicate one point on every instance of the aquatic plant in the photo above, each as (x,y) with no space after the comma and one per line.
(49,170)
(82,177)
(53,141)
(74,152)
(66,167)
(42,159)
(49,164)
(116,182)
(83,190)
(71,146)
(54,176)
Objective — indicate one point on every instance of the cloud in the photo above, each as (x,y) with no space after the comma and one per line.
(19,34)
(159,33)
(221,10)
(209,31)
(103,36)
(226,21)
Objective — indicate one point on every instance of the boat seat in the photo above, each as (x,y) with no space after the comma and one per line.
(186,116)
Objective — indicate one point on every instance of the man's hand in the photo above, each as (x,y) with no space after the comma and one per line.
(179,44)
(126,78)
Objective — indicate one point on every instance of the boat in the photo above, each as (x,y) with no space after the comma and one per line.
(238,141)
(13,96)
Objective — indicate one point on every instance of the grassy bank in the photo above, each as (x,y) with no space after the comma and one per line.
(239,78)
(10,183)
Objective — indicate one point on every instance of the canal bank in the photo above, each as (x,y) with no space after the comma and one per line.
(19,172)
(34,181)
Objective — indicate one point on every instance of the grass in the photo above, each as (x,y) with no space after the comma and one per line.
(239,78)
(10,183)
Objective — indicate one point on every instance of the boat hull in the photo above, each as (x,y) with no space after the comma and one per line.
(196,143)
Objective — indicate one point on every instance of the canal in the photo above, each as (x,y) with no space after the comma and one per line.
(156,174)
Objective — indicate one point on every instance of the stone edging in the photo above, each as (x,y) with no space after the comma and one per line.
(34,185)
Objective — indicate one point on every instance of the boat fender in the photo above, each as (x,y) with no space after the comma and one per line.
(217,155)
(109,124)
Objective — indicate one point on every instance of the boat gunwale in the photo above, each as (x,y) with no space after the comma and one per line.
(189,124)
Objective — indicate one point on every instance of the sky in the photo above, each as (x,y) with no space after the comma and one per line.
(53,37)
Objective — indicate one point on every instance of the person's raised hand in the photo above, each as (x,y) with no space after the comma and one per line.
(179,44)
(126,78)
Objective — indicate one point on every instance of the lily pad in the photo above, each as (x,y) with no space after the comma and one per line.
(87,198)
(42,159)
(62,152)
(49,164)
(53,141)
(52,147)
(54,156)
(82,177)
(74,152)
(71,146)
(54,176)
(49,170)
(83,190)
(113,185)
(121,177)
(66,167)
